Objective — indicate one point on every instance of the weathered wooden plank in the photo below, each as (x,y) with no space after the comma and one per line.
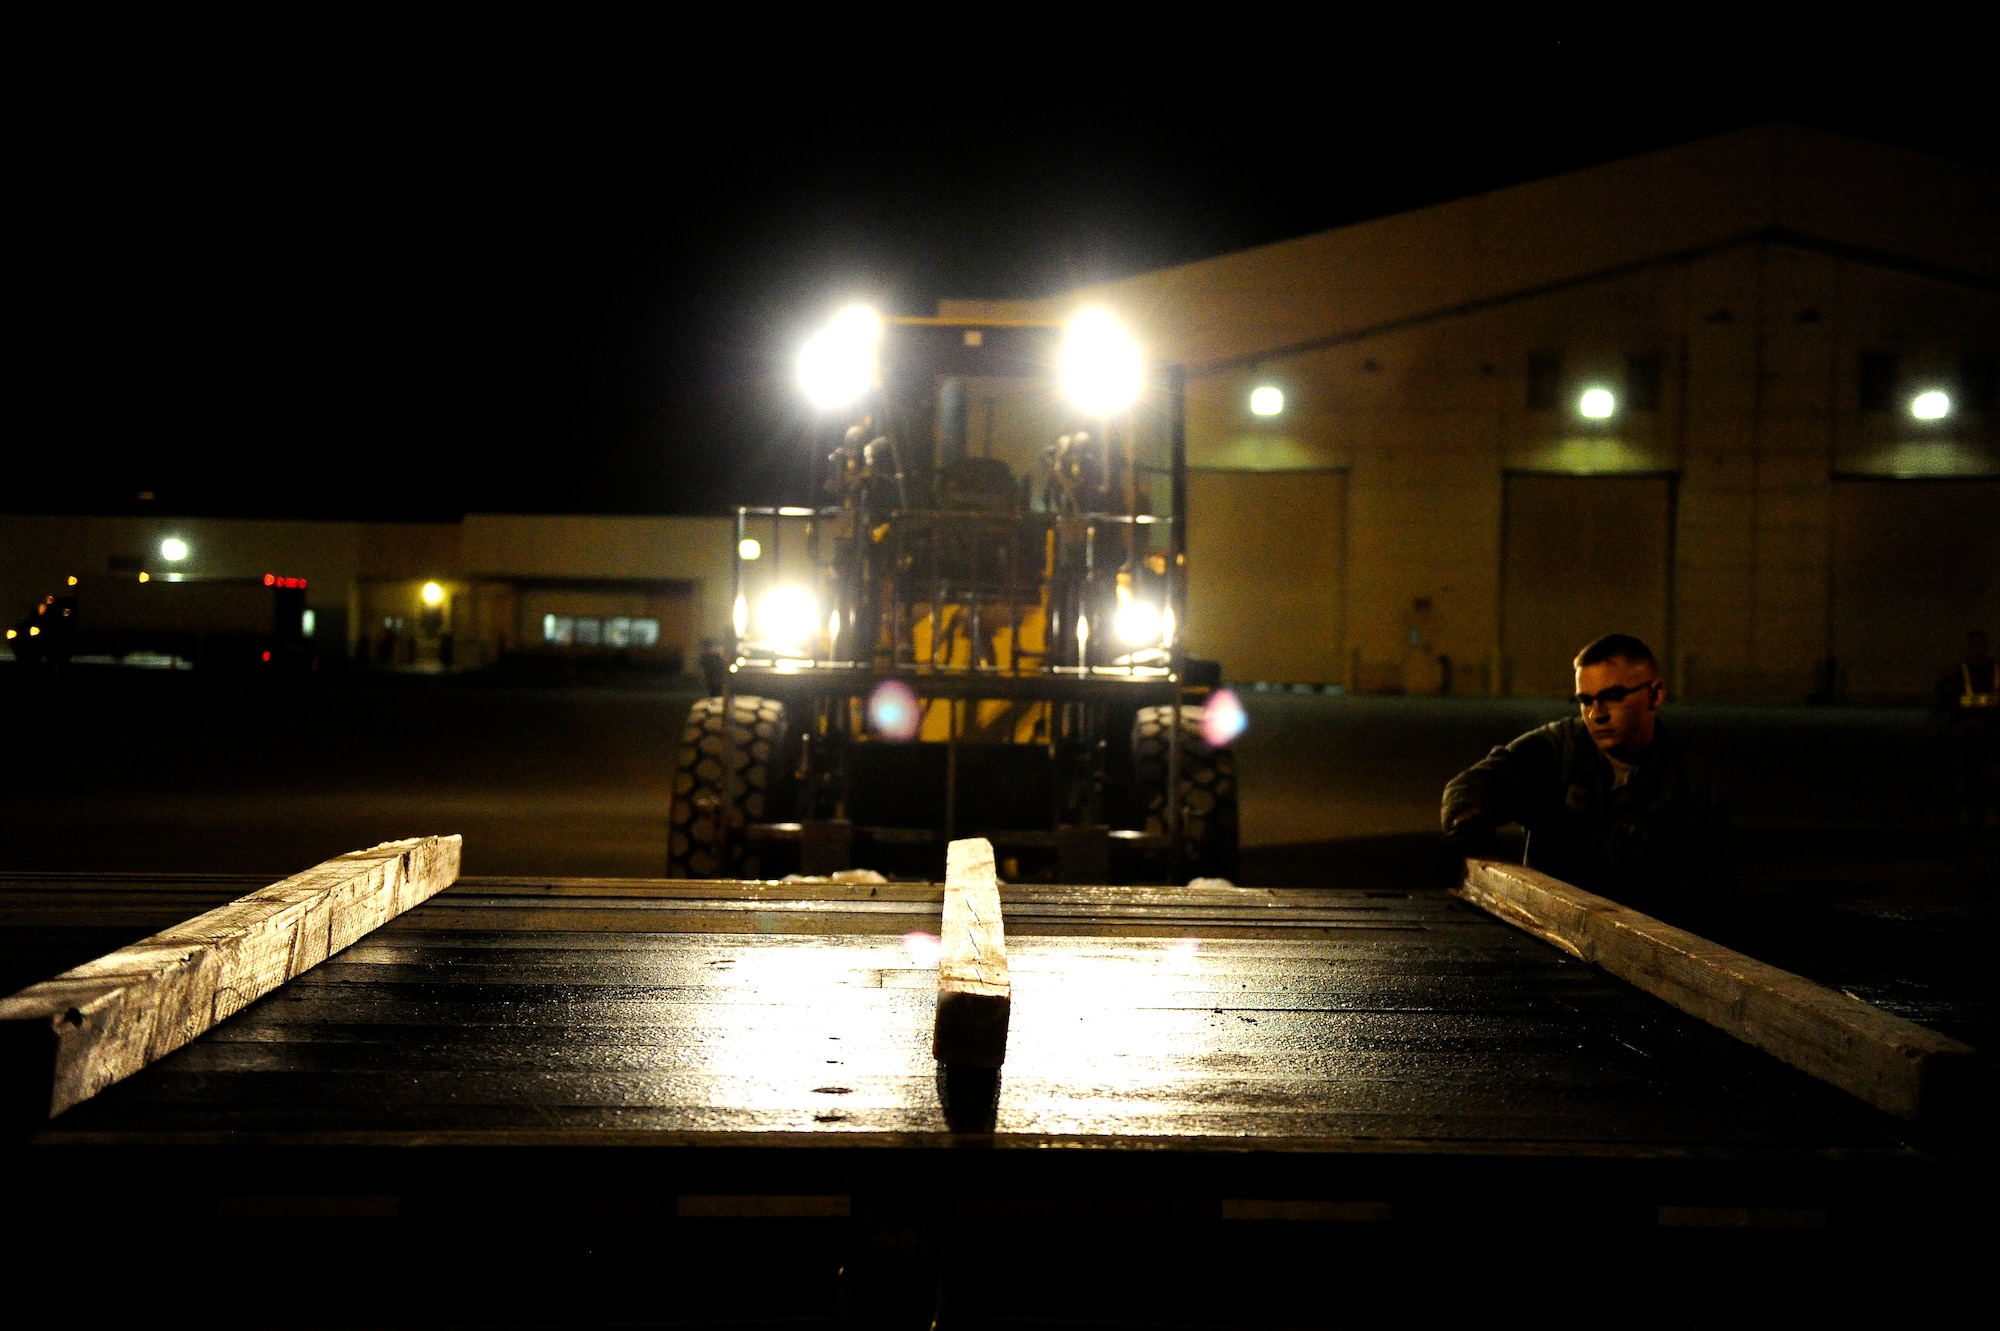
(63,1040)
(974,993)
(1891,1063)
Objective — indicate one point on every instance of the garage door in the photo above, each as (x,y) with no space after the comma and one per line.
(1266,572)
(1916,564)
(1582,556)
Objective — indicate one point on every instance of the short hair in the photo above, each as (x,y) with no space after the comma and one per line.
(1616,646)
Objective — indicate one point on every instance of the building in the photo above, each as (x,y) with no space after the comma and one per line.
(1681,395)
(639,589)
(1736,397)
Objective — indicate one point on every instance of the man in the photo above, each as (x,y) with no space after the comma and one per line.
(1968,720)
(1610,801)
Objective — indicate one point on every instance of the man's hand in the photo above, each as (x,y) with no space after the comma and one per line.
(1469,834)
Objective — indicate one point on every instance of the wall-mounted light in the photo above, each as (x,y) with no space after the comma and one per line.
(433,594)
(173,549)
(1266,400)
(748,549)
(1933,405)
(1596,404)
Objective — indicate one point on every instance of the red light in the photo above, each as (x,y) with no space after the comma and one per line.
(270,579)
(267,656)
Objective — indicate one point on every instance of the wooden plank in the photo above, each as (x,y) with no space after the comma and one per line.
(974,993)
(65,1039)
(1893,1064)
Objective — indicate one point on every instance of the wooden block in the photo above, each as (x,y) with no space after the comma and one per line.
(974,994)
(64,1040)
(1891,1063)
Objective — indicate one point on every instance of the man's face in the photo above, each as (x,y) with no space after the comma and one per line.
(1623,725)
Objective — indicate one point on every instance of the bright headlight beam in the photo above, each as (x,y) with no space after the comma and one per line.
(1099,368)
(1137,623)
(1932,406)
(837,364)
(787,615)
(1596,404)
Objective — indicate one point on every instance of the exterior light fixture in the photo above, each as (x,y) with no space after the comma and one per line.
(1266,400)
(1100,368)
(1597,404)
(173,549)
(1934,405)
(433,594)
(837,364)
(748,550)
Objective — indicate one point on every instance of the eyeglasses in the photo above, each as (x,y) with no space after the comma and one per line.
(1612,696)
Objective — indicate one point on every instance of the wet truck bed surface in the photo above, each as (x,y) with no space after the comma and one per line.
(721,1064)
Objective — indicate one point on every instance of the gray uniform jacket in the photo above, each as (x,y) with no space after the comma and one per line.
(1657,842)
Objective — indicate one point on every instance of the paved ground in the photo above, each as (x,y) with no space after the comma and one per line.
(1850,865)
(152,771)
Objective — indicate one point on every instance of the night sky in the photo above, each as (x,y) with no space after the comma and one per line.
(351,273)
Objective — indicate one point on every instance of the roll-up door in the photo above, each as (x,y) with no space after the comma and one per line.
(1915,565)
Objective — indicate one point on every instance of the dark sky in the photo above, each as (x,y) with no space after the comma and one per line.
(360,273)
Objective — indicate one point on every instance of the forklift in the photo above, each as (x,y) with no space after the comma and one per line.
(977,632)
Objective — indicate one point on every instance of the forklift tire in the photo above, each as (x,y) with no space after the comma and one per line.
(756,745)
(1207,790)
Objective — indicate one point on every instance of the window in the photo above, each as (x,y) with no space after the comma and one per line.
(1975,382)
(1544,382)
(1877,380)
(617,632)
(1642,383)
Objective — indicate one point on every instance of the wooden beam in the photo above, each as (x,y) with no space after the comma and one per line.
(64,1040)
(974,994)
(1891,1063)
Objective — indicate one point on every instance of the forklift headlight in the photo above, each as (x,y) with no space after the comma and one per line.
(1137,623)
(1101,369)
(787,616)
(837,364)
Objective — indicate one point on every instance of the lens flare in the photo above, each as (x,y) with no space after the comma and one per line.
(1222,718)
(893,712)
(922,948)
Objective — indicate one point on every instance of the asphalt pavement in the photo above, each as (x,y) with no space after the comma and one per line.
(1850,864)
